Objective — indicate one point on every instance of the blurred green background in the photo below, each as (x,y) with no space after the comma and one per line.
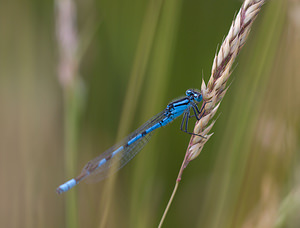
(133,58)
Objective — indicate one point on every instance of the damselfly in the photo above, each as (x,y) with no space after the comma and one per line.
(119,155)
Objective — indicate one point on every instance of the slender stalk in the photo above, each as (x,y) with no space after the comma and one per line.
(168,16)
(137,76)
(216,88)
(70,156)
(68,76)
(169,204)
(174,192)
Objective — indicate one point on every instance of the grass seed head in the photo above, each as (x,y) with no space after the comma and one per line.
(223,61)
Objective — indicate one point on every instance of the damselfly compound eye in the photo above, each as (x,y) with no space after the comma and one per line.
(198,97)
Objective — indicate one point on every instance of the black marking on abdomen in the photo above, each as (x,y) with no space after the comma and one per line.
(108,157)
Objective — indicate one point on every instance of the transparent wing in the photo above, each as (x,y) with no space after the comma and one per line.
(124,156)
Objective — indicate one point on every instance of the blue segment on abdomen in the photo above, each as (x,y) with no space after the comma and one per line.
(68,185)
(102,162)
(134,139)
(117,150)
(155,126)
(166,120)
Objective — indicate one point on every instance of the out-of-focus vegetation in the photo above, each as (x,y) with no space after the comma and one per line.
(136,56)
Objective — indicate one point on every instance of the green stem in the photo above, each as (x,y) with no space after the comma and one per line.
(71,114)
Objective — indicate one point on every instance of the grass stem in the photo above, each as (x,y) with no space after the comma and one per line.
(169,204)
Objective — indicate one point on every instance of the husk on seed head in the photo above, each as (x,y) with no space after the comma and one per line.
(216,88)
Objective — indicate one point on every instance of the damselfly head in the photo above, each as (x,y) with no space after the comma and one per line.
(197,96)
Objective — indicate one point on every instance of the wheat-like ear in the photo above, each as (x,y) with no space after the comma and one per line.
(216,88)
